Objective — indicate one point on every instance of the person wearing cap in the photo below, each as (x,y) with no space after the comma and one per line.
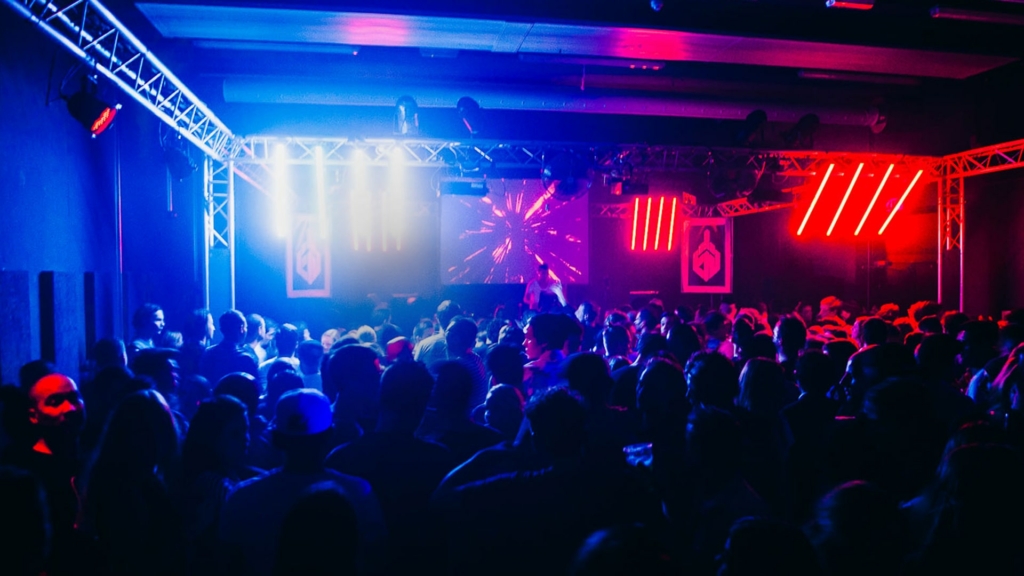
(253,514)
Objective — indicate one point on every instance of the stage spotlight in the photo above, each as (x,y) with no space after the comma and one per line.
(801,135)
(469,113)
(407,119)
(569,173)
(657,5)
(91,112)
(179,164)
(753,129)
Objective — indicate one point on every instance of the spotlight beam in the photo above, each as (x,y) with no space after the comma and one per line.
(874,199)
(321,192)
(281,207)
(900,203)
(814,202)
(845,198)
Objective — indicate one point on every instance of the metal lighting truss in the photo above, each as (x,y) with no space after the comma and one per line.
(90,32)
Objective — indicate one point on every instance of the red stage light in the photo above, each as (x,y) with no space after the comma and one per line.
(900,203)
(636,213)
(874,199)
(672,225)
(657,231)
(647,223)
(814,202)
(845,198)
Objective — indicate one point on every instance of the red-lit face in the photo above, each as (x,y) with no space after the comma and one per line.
(55,402)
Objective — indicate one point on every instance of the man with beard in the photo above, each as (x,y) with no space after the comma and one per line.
(56,414)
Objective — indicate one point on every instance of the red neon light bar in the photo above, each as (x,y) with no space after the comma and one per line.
(874,199)
(845,198)
(814,202)
(900,203)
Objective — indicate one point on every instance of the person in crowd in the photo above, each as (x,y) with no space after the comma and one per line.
(56,415)
(109,352)
(857,529)
(625,379)
(254,513)
(716,495)
(286,341)
(978,487)
(589,315)
(870,367)
(148,322)
(424,329)
(544,293)
(918,311)
(764,392)
(937,361)
(25,524)
(197,334)
(309,354)
(629,549)
(870,331)
(161,366)
(244,388)
(447,421)
(830,312)
(230,355)
(810,421)
(434,348)
(790,337)
(327,339)
(353,384)
(212,462)
(503,410)
(402,469)
(762,546)
(319,535)
(505,365)
(459,339)
(382,326)
(129,504)
(719,330)
(534,521)
(255,335)
(810,417)
(712,381)
(544,341)
(615,346)
(399,349)
(609,428)
(283,378)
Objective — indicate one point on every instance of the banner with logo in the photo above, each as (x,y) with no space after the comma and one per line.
(309,259)
(707,255)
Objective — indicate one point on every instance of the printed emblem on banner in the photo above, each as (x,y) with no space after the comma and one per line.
(707,260)
(707,256)
(308,259)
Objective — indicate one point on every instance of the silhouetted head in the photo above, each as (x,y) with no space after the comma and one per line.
(558,422)
(758,546)
(711,380)
(587,374)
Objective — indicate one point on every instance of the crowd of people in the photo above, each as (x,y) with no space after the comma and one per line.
(581,442)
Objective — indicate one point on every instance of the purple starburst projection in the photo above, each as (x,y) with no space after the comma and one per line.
(502,237)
